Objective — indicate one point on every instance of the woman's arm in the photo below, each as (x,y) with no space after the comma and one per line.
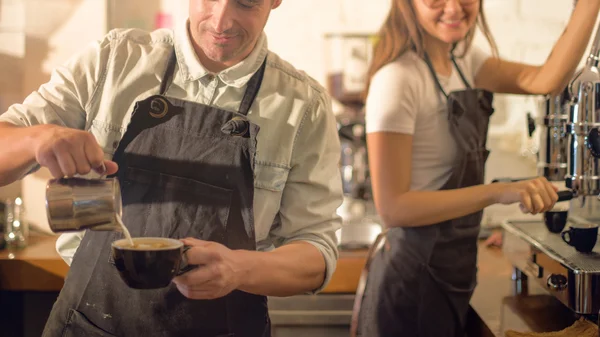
(390,161)
(502,76)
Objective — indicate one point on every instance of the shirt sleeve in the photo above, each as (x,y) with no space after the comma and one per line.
(392,103)
(313,191)
(67,244)
(64,98)
(63,101)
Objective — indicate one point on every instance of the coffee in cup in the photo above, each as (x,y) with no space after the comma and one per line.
(151,263)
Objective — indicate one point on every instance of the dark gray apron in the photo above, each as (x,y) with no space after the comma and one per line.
(418,281)
(186,170)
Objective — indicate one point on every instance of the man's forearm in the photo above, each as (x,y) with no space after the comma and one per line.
(17,156)
(292,269)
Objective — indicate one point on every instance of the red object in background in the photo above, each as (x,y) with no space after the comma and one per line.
(163,20)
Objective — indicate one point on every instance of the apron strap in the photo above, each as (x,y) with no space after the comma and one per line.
(435,78)
(168,74)
(249,96)
(362,283)
(462,76)
(252,89)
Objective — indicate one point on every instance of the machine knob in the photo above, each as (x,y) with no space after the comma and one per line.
(557,282)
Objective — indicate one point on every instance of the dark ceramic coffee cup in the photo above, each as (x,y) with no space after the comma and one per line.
(556,220)
(151,263)
(582,237)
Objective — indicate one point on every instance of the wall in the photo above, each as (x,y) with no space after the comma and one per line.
(524,29)
(34,42)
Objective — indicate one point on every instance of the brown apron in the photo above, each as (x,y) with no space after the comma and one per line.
(186,170)
(418,281)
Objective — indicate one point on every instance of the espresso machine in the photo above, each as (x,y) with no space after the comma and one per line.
(568,152)
(348,58)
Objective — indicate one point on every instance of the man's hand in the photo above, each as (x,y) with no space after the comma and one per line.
(218,273)
(66,152)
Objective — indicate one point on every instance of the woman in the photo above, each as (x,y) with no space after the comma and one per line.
(427,129)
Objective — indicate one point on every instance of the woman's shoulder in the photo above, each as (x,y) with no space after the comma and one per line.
(406,70)
(407,64)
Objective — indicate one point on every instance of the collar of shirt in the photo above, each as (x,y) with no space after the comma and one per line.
(192,70)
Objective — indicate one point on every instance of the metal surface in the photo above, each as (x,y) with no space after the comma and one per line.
(360,226)
(572,277)
(354,163)
(311,315)
(553,147)
(583,176)
(520,285)
(74,204)
(590,71)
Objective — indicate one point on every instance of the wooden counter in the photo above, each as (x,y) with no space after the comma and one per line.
(494,307)
(38,267)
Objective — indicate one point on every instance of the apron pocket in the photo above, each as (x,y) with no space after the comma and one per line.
(78,325)
(157,204)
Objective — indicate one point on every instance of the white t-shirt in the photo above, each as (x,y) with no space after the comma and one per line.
(404,98)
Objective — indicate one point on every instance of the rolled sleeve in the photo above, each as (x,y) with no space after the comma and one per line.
(313,191)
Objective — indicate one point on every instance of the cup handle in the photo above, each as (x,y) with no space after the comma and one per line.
(566,237)
(185,267)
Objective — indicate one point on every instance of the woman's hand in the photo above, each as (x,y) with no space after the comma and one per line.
(534,196)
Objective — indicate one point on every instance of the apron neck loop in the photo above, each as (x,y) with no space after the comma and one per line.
(435,78)
(437,81)
(168,74)
(462,76)
(252,89)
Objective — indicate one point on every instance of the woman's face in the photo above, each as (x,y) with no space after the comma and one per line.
(447,20)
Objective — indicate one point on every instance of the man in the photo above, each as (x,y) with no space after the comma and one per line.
(214,139)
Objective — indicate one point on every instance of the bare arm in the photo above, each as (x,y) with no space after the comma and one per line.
(390,160)
(502,76)
(18,158)
(295,268)
(292,269)
(64,151)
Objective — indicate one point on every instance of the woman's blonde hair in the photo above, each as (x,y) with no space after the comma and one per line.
(401,31)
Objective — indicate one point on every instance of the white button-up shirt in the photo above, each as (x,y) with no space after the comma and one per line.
(297,186)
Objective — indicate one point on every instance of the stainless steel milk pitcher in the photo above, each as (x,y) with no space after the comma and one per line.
(75,204)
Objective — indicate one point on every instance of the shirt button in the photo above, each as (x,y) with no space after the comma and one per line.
(210,77)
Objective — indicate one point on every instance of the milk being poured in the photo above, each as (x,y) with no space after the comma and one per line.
(125,230)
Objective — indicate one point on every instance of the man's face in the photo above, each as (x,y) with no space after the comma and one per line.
(224,32)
